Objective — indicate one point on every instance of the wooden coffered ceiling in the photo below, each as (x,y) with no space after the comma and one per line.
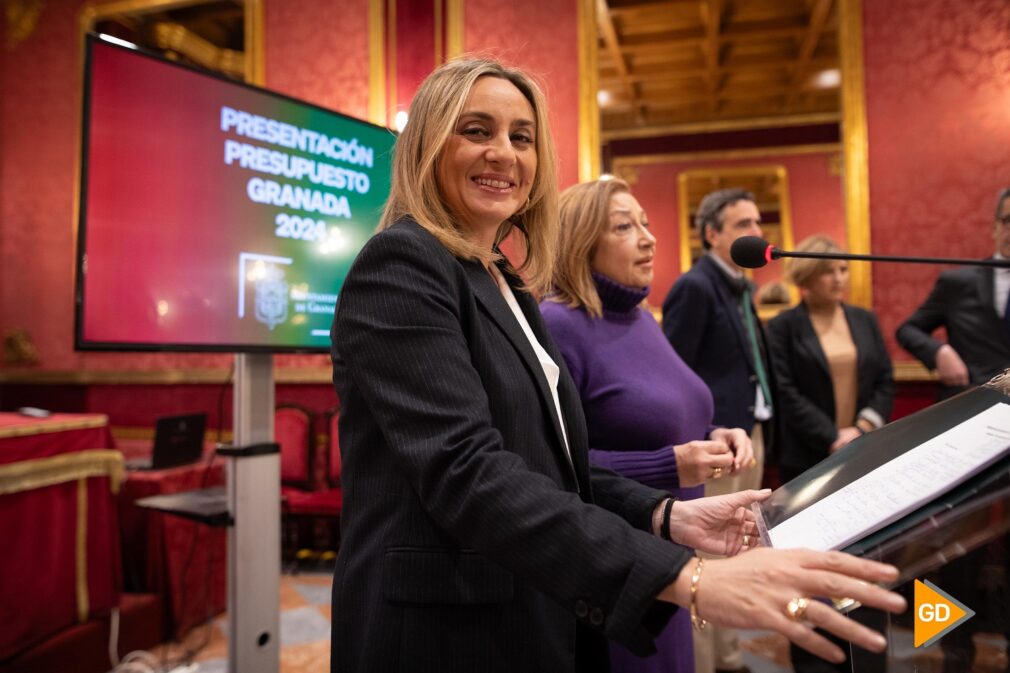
(207,34)
(667,65)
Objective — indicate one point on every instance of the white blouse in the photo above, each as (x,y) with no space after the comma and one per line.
(551,370)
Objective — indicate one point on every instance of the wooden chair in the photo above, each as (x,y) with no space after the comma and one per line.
(326,504)
(294,430)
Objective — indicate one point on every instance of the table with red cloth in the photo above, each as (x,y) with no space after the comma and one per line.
(179,559)
(58,523)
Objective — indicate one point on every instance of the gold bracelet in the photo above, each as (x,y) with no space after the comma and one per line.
(697,621)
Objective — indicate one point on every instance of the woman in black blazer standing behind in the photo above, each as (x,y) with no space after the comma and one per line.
(832,369)
(833,376)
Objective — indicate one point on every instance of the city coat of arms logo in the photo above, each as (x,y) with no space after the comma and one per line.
(272,297)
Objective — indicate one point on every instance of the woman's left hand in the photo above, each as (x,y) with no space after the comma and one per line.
(739,443)
(721,524)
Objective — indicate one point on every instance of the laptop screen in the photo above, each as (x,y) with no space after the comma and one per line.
(178,440)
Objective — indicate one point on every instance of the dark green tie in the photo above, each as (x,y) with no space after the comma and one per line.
(759,365)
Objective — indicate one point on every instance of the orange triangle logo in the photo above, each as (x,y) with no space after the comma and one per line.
(936,613)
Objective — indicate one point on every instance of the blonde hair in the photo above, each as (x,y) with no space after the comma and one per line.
(801,272)
(584,216)
(415,190)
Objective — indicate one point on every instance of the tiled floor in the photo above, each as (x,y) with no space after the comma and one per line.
(765,652)
(305,639)
(304,630)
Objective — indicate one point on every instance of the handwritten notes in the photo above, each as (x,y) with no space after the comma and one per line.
(900,486)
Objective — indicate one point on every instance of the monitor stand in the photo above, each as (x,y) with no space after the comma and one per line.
(254,541)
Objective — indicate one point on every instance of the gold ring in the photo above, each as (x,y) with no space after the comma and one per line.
(746,540)
(716,473)
(796,609)
(753,462)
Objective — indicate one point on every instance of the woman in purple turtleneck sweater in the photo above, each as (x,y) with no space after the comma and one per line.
(647,412)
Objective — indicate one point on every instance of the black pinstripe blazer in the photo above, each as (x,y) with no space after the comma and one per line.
(469,541)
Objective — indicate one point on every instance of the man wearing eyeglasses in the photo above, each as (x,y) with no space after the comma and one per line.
(972,303)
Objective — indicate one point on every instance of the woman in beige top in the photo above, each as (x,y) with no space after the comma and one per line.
(832,369)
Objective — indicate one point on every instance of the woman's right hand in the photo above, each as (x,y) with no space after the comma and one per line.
(753,590)
(698,461)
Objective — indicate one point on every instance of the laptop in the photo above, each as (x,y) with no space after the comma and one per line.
(178,440)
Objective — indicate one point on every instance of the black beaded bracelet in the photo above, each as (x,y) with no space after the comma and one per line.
(664,530)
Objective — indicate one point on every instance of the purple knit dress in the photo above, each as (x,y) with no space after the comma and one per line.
(640,400)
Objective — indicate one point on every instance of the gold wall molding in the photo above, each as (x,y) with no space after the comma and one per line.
(135,433)
(455,42)
(622,162)
(912,371)
(589,106)
(377,62)
(855,142)
(120,432)
(439,36)
(392,95)
(216,376)
(255,54)
(690,128)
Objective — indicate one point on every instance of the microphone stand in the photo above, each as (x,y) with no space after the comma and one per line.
(998,263)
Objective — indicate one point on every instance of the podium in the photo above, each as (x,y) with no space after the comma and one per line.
(956,549)
(957,539)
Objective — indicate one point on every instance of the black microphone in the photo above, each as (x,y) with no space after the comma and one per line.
(751,252)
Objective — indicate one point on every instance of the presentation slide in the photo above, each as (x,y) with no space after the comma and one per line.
(216,216)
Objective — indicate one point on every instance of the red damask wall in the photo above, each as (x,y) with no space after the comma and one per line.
(318,51)
(39,111)
(815,200)
(938,115)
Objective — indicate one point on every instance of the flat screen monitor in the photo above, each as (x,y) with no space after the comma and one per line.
(214,215)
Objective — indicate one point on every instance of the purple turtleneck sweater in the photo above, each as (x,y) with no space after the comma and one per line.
(640,400)
(639,397)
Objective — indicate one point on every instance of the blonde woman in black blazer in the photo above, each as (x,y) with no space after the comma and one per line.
(815,344)
(475,534)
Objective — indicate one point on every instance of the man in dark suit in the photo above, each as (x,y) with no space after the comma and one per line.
(971,303)
(710,320)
